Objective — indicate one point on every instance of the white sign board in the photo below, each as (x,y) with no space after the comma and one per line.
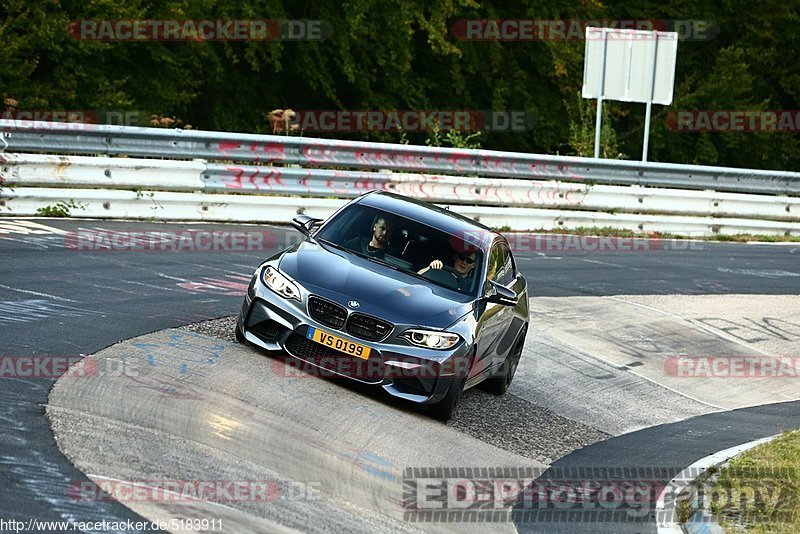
(619,64)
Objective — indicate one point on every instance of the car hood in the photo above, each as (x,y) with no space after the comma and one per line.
(379,290)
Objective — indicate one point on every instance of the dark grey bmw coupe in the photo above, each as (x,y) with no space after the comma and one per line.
(398,293)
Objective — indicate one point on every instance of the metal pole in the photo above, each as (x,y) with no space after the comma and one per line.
(601,83)
(650,97)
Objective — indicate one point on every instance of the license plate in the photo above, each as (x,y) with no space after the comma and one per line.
(337,343)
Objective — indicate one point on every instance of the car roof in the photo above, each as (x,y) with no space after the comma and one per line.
(428,214)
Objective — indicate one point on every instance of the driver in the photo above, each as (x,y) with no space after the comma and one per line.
(463,265)
(376,246)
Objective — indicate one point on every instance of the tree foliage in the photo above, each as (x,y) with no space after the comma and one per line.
(405,55)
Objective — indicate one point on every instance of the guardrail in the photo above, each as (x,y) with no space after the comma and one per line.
(111,140)
(36,170)
(233,188)
(181,190)
(173,206)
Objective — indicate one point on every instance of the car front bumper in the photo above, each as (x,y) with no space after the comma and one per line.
(415,374)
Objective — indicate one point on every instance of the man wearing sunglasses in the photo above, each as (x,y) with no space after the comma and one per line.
(463,264)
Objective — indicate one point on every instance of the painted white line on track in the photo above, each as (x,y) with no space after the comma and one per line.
(650,380)
(37,226)
(617,265)
(659,384)
(168,277)
(118,289)
(147,285)
(37,293)
(28,227)
(761,273)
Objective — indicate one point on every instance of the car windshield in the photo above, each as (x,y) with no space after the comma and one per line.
(407,246)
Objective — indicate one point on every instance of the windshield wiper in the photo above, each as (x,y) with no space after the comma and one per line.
(421,277)
(377,260)
(359,254)
(332,244)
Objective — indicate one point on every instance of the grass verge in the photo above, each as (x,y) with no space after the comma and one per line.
(759,491)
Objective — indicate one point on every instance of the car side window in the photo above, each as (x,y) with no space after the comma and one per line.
(509,271)
(496,262)
(501,265)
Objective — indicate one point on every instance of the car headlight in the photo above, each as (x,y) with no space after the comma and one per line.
(279,283)
(431,339)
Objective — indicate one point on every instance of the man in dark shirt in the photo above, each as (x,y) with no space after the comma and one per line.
(376,246)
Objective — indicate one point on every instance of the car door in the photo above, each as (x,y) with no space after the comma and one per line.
(494,317)
(515,316)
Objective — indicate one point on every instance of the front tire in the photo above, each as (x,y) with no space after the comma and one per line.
(501,381)
(239,335)
(444,409)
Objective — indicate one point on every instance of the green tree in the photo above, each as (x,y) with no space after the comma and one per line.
(407,56)
(582,123)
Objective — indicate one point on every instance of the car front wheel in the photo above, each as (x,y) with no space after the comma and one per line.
(500,382)
(444,409)
(239,334)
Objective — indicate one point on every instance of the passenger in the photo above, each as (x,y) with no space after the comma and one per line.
(376,246)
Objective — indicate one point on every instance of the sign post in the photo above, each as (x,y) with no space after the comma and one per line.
(600,79)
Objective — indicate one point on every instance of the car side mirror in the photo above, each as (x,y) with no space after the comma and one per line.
(304,224)
(499,294)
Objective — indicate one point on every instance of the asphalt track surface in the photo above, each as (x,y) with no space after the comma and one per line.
(57,301)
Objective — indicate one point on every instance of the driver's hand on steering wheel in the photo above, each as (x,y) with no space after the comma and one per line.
(435,264)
